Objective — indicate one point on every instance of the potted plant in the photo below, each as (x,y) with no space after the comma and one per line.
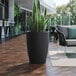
(37,37)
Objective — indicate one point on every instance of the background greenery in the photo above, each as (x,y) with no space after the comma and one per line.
(17,27)
(63,13)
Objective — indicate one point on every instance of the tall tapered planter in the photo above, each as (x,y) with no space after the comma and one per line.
(37,45)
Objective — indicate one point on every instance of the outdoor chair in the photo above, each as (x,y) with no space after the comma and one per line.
(64,40)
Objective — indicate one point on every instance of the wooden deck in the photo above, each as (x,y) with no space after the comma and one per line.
(14,61)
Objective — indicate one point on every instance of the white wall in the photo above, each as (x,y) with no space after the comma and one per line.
(49,5)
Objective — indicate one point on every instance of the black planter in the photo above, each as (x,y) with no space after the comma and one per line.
(37,45)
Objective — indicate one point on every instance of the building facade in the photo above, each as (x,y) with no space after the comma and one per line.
(7,14)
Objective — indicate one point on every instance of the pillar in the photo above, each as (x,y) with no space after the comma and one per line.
(11,17)
(11,10)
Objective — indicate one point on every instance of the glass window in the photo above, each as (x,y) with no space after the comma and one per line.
(5,2)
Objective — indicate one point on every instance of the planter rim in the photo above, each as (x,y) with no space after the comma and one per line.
(38,32)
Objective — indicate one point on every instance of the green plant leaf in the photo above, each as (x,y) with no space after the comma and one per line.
(38,22)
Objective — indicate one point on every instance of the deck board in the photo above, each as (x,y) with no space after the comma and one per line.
(14,61)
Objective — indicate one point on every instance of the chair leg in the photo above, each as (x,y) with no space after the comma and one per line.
(65,51)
